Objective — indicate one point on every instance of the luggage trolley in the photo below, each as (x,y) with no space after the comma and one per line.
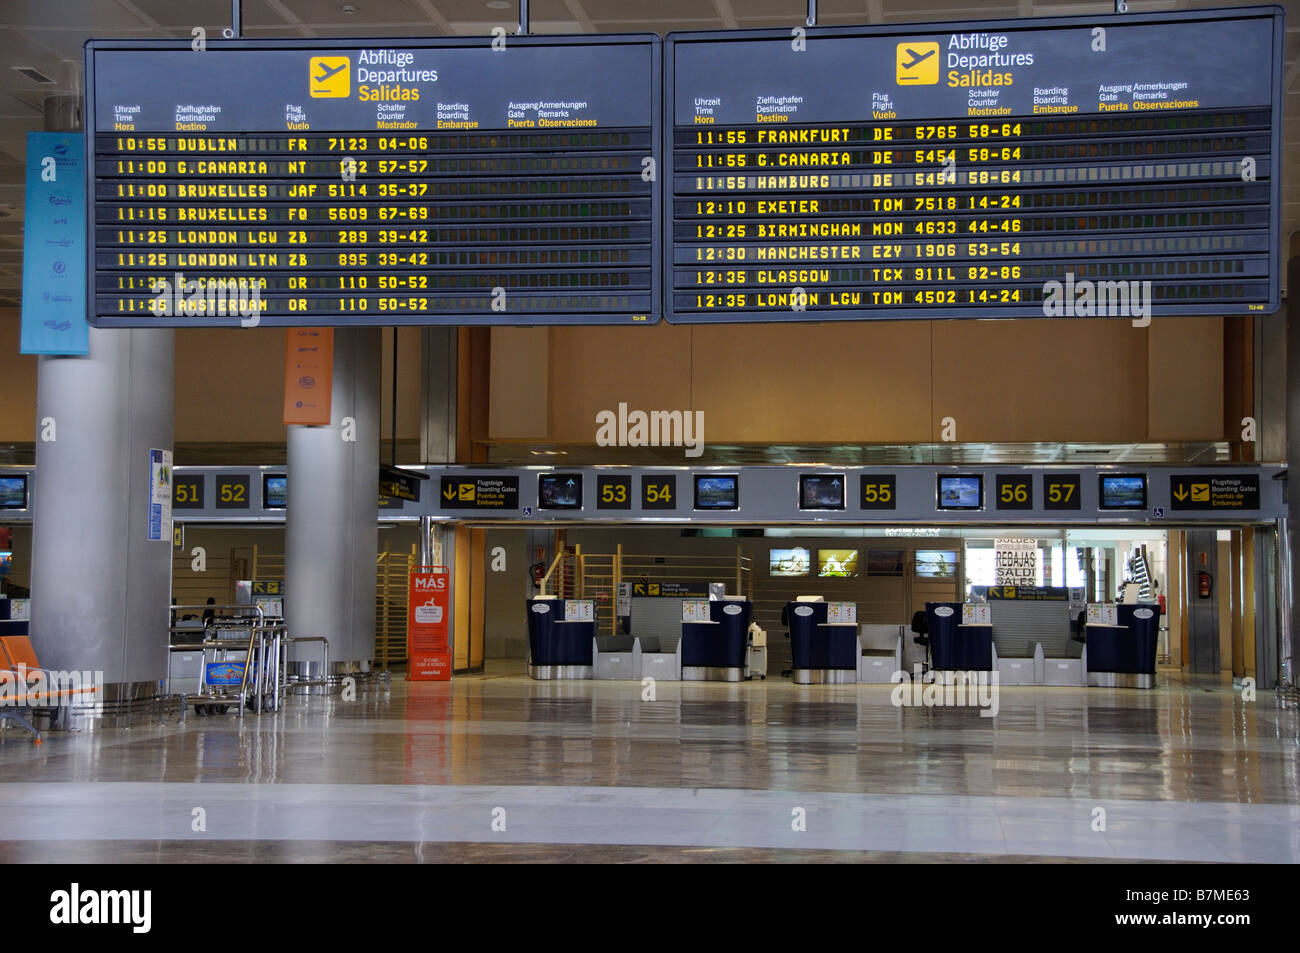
(226,676)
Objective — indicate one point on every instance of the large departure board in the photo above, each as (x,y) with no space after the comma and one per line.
(1119,165)
(384,181)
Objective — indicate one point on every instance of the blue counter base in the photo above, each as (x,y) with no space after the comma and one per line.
(1120,680)
(712,673)
(825,676)
(547,672)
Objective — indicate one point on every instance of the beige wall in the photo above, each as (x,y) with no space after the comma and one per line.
(17,383)
(878,382)
(229,384)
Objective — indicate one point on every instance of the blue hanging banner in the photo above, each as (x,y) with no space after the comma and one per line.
(54,246)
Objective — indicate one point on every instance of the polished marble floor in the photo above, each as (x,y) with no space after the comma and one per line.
(499,767)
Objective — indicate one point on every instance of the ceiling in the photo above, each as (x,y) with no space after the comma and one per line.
(47,35)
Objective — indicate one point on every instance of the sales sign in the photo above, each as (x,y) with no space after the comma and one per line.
(428,650)
(1017,561)
(379,182)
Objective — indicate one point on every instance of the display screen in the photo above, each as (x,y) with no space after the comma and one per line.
(821,491)
(6,562)
(275,491)
(884,562)
(788,562)
(717,492)
(961,492)
(1123,491)
(1000,168)
(837,563)
(559,491)
(374,182)
(13,492)
(936,564)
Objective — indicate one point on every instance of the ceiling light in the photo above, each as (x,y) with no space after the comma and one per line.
(498,5)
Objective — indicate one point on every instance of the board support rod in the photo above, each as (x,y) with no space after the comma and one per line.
(812,13)
(236,19)
(523,18)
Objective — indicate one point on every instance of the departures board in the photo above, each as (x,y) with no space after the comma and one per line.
(1114,165)
(377,181)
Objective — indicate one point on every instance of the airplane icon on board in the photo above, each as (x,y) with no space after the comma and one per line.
(915,58)
(329,77)
(327,71)
(916,64)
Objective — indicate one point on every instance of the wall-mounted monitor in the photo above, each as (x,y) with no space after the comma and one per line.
(837,563)
(961,492)
(559,491)
(13,492)
(717,492)
(936,564)
(275,491)
(884,562)
(788,562)
(6,562)
(821,491)
(1122,491)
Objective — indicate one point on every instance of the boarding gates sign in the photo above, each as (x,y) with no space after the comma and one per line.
(1017,561)
(428,649)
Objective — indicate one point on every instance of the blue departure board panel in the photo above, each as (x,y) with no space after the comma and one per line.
(377,181)
(1120,165)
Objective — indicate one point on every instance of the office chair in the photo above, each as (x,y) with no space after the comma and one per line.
(921,626)
(1079,628)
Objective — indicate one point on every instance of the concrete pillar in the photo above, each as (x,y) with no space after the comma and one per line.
(331,531)
(100,587)
(1289,651)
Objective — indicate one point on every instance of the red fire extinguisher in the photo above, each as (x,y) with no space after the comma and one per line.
(1203,583)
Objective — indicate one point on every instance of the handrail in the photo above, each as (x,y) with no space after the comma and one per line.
(546,579)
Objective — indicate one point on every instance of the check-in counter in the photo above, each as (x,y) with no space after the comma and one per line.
(1123,654)
(1033,634)
(560,641)
(955,647)
(715,649)
(822,650)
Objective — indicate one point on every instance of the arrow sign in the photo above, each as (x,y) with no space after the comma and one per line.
(1217,491)
(484,492)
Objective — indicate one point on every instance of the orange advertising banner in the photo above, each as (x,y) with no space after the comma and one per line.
(428,600)
(308,376)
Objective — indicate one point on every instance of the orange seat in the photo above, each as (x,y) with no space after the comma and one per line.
(17,650)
